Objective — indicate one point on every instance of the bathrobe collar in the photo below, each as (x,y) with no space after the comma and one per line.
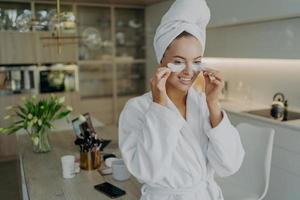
(192,127)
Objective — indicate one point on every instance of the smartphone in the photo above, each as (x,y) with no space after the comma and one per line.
(110,190)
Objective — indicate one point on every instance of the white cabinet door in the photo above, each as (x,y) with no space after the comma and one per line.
(285,174)
(240,11)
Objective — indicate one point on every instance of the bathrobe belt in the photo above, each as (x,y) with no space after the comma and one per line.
(201,186)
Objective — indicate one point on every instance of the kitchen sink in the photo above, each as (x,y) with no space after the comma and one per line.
(267,114)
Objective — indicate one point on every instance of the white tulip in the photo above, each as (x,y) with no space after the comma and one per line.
(35,120)
(81,118)
(7,117)
(61,100)
(29,116)
(35,140)
(69,108)
(9,107)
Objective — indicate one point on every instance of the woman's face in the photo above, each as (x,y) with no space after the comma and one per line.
(185,50)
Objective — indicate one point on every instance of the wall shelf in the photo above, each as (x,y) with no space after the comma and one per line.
(120,47)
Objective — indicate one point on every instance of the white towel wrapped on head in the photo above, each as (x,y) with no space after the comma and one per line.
(191,16)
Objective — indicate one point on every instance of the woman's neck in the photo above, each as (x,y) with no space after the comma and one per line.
(177,97)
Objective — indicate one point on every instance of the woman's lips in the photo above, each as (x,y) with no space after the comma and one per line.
(185,80)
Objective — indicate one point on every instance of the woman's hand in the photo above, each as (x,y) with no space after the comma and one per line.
(158,85)
(214,84)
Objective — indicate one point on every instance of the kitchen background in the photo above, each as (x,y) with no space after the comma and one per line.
(103,55)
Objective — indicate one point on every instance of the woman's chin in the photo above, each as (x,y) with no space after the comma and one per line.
(183,87)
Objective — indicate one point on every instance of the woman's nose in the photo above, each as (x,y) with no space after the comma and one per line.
(188,70)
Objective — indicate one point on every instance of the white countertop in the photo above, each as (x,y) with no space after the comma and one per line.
(239,107)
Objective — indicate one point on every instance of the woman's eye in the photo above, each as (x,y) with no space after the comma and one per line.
(177,62)
(197,62)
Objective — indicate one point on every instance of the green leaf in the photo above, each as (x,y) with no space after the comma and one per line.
(62,114)
(21,115)
(23,110)
(11,129)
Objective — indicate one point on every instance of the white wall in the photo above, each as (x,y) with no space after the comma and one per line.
(259,79)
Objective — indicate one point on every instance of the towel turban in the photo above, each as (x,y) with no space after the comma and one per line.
(191,16)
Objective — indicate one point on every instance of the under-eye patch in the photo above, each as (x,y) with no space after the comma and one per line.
(179,67)
(176,67)
(198,67)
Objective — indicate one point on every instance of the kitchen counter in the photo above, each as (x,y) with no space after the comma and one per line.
(239,107)
(42,173)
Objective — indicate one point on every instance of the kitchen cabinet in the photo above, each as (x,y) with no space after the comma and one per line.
(94,26)
(96,80)
(53,50)
(130,33)
(111,38)
(36,48)
(285,158)
(111,57)
(232,12)
(99,107)
(8,147)
(130,79)
(17,47)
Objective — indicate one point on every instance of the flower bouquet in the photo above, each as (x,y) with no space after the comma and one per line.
(36,118)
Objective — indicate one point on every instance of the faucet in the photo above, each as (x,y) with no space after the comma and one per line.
(285,112)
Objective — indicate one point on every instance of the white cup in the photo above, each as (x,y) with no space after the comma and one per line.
(119,170)
(68,166)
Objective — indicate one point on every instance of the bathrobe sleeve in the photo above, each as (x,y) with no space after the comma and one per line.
(225,152)
(147,139)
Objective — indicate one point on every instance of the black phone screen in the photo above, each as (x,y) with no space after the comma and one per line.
(110,190)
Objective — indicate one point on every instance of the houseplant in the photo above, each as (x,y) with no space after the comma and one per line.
(36,118)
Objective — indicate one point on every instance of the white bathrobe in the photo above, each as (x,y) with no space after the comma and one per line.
(174,158)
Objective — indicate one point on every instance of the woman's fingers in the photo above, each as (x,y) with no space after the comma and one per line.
(158,85)
(213,74)
(161,72)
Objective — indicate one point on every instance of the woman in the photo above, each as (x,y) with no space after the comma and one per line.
(174,139)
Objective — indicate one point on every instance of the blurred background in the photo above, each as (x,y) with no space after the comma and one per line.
(99,53)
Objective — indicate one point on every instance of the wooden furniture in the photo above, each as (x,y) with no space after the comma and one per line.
(43,174)
(112,70)
(35,48)
(17,48)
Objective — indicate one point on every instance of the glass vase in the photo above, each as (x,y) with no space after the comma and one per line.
(41,142)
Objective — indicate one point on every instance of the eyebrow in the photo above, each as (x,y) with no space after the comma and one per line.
(184,58)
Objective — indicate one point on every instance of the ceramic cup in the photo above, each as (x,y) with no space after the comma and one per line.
(68,166)
(119,170)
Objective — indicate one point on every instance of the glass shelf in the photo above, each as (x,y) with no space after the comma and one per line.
(45,12)
(130,33)
(96,80)
(130,79)
(94,25)
(9,13)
